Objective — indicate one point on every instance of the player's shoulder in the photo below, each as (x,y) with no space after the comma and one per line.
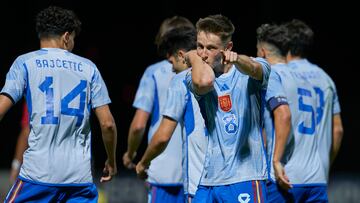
(182,75)
(161,66)
(279,67)
(29,55)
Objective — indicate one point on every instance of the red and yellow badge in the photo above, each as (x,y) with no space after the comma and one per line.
(225,102)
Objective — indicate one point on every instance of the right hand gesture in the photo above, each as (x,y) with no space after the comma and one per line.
(127,160)
(281,177)
(109,171)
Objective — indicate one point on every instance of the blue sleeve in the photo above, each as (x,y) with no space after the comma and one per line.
(145,93)
(266,70)
(175,100)
(99,92)
(16,80)
(275,94)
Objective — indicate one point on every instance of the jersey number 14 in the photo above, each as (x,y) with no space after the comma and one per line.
(78,90)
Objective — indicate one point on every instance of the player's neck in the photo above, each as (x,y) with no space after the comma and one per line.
(275,60)
(290,57)
(51,43)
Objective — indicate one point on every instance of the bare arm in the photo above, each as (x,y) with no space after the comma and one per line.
(202,74)
(282,121)
(109,136)
(5,104)
(336,137)
(244,64)
(157,145)
(136,134)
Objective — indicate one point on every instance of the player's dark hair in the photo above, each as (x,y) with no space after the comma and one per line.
(217,24)
(169,24)
(181,38)
(55,21)
(301,37)
(275,35)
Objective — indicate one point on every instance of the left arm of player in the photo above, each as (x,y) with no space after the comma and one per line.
(282,121)
(157,145)
(109,136)
(336,137)
(244,64)
(5,104)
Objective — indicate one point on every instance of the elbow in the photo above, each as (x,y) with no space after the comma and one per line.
(203,86)
(138,128)
(338,132)
(108,125)
(203,82)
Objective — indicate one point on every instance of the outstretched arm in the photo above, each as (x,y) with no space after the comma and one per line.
(244,64)
(136,134)
(109,136)
(157,145)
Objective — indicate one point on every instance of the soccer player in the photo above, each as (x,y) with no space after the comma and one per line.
(21,145)
(316,123)
(272,44)
(228,87)
(165,172)
(180,107)
(60,88)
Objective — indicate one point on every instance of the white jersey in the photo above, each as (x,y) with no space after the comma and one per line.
(182,106)
(327,106)
(60,89)
(232,114)
(302,158)
(166,168)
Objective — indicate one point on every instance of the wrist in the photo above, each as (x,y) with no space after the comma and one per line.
(15,164)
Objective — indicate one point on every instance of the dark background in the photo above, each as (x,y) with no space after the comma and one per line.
(118,37)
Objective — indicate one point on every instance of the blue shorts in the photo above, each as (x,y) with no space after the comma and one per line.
(297,194)
(23,191)
(243,192)
(165,194)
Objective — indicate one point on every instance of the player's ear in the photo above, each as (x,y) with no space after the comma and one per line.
(65,38)
(181,53)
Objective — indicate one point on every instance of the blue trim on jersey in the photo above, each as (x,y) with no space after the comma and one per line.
(156,109)
(54,184)
(189,119)
(28,92)
(274,102)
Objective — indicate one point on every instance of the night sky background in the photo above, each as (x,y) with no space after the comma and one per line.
(118,36)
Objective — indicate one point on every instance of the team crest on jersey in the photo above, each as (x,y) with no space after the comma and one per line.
(225,102)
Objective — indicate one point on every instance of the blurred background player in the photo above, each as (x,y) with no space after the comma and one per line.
(228,87)
(180,107)
(316,122)
(165,172)
(328,120)
(272,44)
(60,88)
